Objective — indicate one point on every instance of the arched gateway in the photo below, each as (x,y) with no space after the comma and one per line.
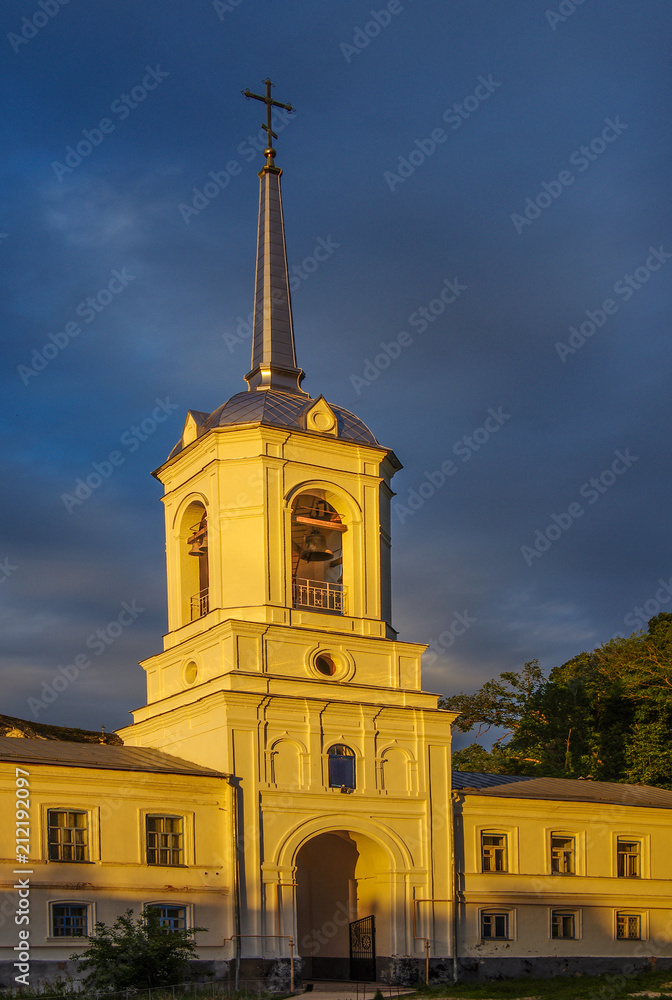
(353,898)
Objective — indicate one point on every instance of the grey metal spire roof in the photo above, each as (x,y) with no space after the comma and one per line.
(284,409)
(273,352)
(274,396)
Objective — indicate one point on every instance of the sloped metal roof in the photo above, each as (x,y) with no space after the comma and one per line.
(561,789)
(101,756)
(479,779)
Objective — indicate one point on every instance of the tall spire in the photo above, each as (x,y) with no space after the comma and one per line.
(273,354)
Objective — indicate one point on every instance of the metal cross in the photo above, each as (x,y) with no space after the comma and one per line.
(269,152)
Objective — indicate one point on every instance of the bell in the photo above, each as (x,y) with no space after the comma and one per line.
(199,540)
(315,548)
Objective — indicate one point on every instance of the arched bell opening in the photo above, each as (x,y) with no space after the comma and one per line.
(317,553)
(194,562)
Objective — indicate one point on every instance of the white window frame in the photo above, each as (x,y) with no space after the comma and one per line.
(496,911)
(557,835)
(156,814)
(643,853)
(92,831)
(507,852)
(566,910)
(188,839)
(643,923)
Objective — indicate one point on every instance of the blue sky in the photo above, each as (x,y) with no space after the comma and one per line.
(491,182)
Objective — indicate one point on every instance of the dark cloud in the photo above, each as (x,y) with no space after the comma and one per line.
(365,108)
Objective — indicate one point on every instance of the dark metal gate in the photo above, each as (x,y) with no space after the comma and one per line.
(363,950)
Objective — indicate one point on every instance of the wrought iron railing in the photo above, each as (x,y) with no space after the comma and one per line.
(200,604)
(323,596)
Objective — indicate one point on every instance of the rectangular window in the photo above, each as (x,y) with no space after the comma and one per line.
(341,764)
(164,840)
(494,926)
(563,924)
(68,920)
(493,852)
(562,854)
(628,926)
(68,836)
(628,854)
(172,917)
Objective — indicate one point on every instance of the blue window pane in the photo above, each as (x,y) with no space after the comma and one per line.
(172,917)
(341,770)
(68,920)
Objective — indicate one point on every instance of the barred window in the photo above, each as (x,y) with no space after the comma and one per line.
(628,926)
(174,918)
(562,854)
(69,920)
(493,852)
(495,925)
(563,924)
(68,835)
(164,840)
(628,855)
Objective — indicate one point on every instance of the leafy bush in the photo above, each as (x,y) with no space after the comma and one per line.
(137,953)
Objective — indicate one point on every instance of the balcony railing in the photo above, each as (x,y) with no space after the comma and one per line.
(200,605)
(322,596)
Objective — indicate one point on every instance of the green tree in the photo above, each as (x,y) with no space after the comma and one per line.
(139,953)
(606,714)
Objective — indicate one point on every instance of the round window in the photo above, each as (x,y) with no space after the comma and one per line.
(190,672)
(325,665)
(333,664)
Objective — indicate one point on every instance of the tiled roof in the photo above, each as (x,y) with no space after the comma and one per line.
(101,756)
(561,789)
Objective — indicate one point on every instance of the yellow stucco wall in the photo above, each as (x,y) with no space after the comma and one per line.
(529,892)
(116,876)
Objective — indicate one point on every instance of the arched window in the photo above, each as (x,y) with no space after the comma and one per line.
(317,553)
(341,766)
(194,562)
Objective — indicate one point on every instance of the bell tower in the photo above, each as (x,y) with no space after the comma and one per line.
(280,665)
